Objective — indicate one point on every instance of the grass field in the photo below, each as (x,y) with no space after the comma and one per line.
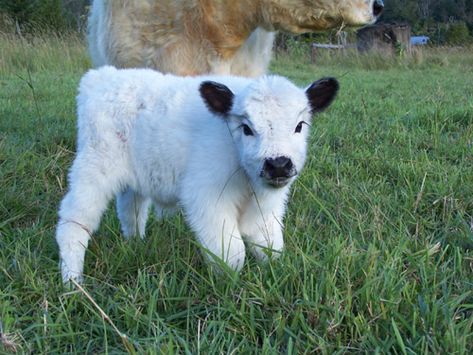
(379,241)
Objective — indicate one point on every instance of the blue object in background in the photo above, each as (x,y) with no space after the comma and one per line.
(419,40)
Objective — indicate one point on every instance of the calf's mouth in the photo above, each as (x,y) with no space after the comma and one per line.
(278,182)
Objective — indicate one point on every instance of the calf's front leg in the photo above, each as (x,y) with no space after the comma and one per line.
(261,223)
(215,223)
(81,209)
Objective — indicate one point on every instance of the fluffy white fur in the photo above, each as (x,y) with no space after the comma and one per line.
(147,137)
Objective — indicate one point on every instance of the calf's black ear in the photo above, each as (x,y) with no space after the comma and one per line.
(321,93)
(217,97)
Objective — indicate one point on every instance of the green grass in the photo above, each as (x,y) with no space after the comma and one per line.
(378,232)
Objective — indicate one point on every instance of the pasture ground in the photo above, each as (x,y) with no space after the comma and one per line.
(378,232)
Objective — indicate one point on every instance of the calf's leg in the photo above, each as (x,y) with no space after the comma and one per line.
(132,210)
(92,184)
(261,224)
(214,221)
(163,211)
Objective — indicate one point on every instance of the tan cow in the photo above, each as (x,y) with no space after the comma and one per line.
(191,37)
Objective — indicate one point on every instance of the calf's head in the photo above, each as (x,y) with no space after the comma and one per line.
(269,122)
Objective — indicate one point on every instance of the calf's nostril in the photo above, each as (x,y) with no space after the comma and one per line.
(288,165)
(280,162)
(378,7)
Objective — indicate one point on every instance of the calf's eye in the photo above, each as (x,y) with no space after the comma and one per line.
(247,130)
(299,127)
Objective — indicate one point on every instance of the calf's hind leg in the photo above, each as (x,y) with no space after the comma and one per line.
(132,210)
(90,190)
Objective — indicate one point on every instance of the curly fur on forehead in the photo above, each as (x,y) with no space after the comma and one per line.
(273,86)
(269,92)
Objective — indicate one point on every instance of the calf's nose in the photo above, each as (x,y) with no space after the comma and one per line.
(278,167)
(378,7)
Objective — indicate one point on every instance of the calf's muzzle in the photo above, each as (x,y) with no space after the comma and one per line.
(378,7)
(277,171)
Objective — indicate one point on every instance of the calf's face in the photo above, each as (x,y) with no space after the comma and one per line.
(269,122)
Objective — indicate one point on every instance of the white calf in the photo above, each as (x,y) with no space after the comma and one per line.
(225,152)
